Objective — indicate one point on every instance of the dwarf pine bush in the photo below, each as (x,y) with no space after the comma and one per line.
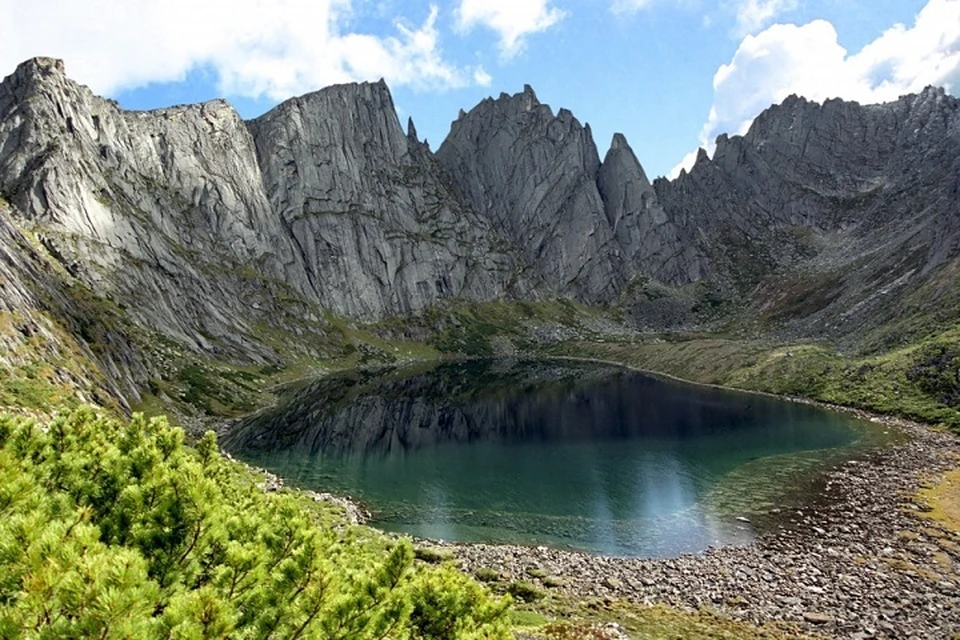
(111,530)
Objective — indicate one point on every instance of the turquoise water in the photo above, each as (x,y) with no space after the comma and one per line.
(578,455)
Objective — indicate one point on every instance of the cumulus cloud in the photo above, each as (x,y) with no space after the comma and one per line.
(255,47)
(481,77)
(513,20)
(808,60)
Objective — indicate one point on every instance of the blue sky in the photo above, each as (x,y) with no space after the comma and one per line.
(670,74)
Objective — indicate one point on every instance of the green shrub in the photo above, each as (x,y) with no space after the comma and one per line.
(447,604)
(486,574)
(526,591)
(112,530)
(432,555)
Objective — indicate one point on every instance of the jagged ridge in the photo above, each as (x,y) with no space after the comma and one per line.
(206,228)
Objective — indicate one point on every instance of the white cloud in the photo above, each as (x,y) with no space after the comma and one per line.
(511,19)
(255,47)
(809,61)
(481,77)
(755,14)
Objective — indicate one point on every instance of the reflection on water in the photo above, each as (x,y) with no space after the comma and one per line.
(582,455)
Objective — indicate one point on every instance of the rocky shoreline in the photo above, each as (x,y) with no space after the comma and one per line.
(859,563)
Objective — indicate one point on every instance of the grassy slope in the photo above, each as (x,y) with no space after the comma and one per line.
(919,381)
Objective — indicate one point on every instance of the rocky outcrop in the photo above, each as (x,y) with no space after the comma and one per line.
(163,211)
(662,246)
(52,332)
(170,212)
(837,211)
(376,228)
(534,174)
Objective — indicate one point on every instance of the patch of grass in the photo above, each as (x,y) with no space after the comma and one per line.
(572,631)
(573,619)
(943,498)
(553,582)
(216,391)
(709,360)
(537,572)
(920,382)
(32,389)
(433,555)
(526,619)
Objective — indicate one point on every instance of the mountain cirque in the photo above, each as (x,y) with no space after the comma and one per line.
(197,221)
(128,239)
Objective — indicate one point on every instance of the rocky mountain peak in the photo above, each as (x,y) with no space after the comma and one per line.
(650,242)
(374,225)
(37,68)
(618,142)
(533,174)
(40,66)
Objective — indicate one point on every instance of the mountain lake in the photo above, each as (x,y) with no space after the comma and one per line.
(561,453)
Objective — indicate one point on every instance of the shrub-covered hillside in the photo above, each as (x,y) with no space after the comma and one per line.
(112,530)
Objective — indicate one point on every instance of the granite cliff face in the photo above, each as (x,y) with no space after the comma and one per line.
(196,219)
(162,211)
(534,175)
(376,230)
(219,235)
(828,217)
(586,228)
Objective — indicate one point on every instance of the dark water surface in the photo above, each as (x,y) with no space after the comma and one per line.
(587,456)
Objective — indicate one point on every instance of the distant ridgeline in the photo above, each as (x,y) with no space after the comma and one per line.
(130,237)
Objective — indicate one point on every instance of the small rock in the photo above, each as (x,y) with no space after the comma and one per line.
(814,617)
(612,583)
